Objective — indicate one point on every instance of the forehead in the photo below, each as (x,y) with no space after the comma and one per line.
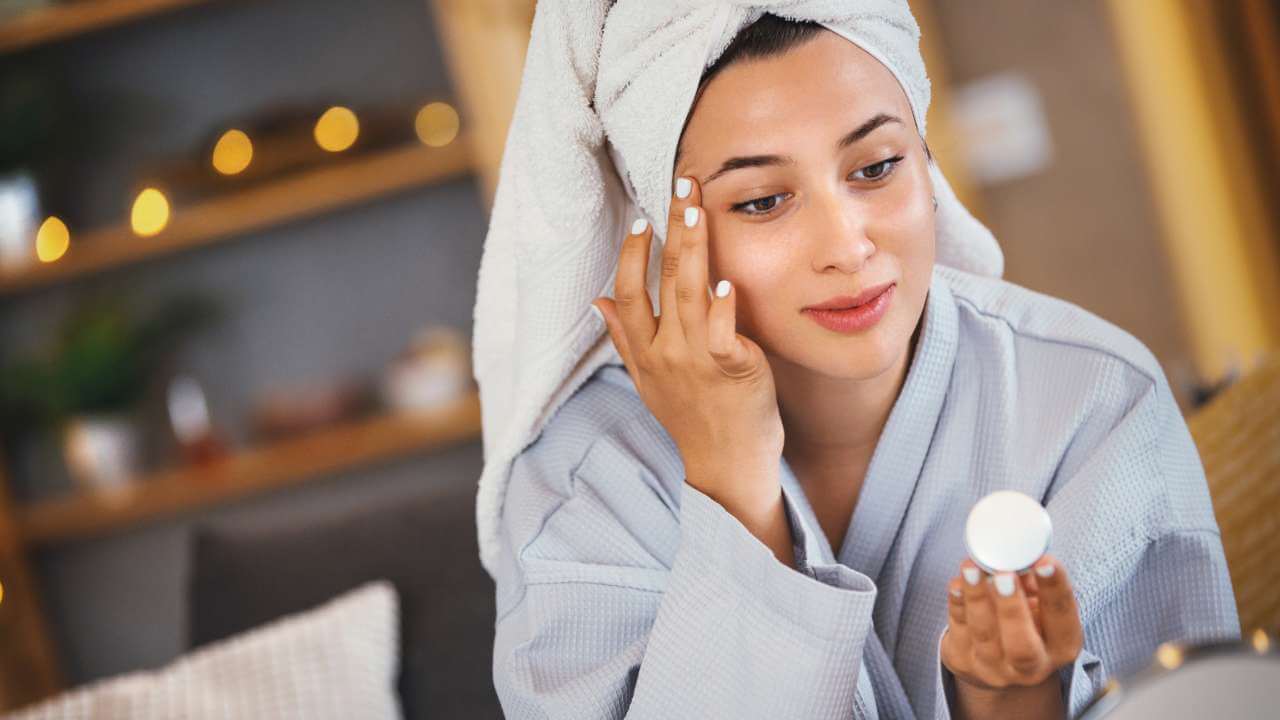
(758,105)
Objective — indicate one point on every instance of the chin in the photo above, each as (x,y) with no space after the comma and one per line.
(848,357)
(858,357)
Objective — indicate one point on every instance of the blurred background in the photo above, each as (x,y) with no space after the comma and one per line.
(239,242)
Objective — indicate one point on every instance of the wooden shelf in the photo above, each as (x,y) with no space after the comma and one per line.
(304,194)
(285,463)
(64,20)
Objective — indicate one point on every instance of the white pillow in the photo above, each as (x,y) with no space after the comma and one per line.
(338,660)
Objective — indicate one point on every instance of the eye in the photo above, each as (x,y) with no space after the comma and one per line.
(762,206)
(880,170)
(759,206)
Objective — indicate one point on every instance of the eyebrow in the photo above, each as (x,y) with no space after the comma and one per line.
(853,136)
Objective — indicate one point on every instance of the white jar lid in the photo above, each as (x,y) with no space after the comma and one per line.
(1007,531)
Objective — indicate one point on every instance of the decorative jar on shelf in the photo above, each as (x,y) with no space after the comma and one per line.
(19,213)
(103,451)
(433,371)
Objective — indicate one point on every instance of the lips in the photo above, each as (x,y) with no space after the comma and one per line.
(857,318)
(842,302)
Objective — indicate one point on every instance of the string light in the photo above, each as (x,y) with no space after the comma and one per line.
(1169,656)
(1261,641)
(437,124)
(150,212)
(52,239)
(232,153)
(337,129)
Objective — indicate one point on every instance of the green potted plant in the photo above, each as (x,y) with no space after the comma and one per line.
(89,384)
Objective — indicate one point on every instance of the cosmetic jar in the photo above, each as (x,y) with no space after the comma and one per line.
(1007,531)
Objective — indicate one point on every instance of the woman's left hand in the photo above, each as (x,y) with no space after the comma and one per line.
(1007,631)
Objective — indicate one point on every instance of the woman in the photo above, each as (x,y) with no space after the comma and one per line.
(757,511)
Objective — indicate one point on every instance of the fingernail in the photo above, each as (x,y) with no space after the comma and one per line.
(596,309)
(1045,571)
(955,593)
(690,216)
(639,226)
(722,288)
(970,575)
(1004,584)
(684,186)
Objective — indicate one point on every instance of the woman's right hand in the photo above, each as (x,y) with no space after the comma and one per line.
(710,387)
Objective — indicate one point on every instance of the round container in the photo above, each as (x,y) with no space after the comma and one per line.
(1007,531)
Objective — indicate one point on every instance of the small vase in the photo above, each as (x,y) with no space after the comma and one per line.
(19,213)
(102,451)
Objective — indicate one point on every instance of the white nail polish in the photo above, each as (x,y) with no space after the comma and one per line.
(970,575)
(722,288)
(639,226)
(1045,571)
(956,593)
(684,186)
(1004,584)
(690,216)
(597,312)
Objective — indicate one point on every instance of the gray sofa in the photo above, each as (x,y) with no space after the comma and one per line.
(248,573)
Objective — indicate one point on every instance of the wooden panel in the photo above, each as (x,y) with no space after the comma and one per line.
(281,464)
(67,19)
(1203,195)
(485,42)
(943,141)
(305,194)
(28,666)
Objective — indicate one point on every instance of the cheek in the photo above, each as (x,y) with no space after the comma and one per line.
(905,217)
(758,270)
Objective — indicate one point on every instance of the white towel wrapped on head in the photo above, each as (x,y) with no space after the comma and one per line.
(604,96)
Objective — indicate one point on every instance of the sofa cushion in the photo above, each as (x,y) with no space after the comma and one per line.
(336,661)
(247,572)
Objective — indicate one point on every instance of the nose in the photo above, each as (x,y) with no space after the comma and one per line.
(838,226)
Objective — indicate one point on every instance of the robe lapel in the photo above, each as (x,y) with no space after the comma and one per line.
(904,443)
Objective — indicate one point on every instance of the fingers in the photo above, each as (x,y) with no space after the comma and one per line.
(1058,612)
(609,309)
(729,352)
(1024,651)
(631,293)
(669,322)
(691,279)
(956,643)
(1011,629)
(980,616)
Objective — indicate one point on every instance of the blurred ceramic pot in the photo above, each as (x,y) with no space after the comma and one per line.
(434,371)
(19,212)
(102,451)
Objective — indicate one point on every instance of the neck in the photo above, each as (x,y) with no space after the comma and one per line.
(836,421)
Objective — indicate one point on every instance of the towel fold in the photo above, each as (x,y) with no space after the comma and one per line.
(603,99)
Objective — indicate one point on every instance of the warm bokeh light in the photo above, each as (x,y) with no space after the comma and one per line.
(1169,656)
(337,129)
(1261,641)
(150,212)
(437,124)
(232,153)
(52,239)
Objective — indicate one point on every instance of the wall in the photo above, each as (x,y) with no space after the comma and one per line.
(1084,229)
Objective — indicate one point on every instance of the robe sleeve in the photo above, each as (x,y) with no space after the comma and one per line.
(601,629)
(1134,526)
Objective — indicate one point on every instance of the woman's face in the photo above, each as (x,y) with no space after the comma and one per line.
(814,215)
